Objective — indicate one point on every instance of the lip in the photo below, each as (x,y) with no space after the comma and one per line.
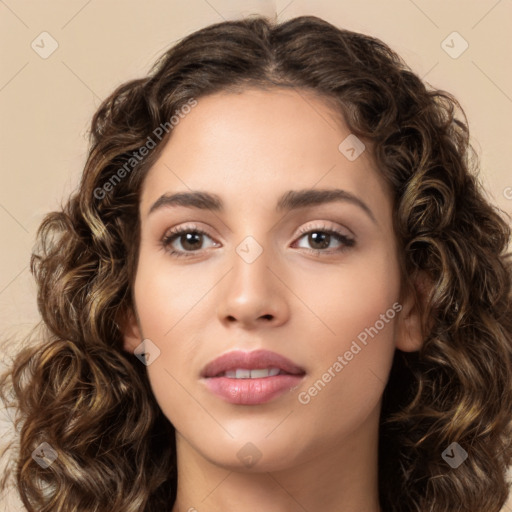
(251,391)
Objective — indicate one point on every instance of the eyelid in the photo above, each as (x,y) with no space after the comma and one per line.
(325,225)
(179,230)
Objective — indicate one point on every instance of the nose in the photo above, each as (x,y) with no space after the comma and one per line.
(253,294)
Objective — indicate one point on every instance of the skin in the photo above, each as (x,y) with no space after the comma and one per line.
(249,148)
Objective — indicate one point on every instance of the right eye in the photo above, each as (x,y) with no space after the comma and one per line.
(189,237)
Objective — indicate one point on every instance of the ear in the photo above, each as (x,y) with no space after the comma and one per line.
(130,330)
(410,332)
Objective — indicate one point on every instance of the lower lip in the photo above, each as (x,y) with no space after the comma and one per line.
(252,391)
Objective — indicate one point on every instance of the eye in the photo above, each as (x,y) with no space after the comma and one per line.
(321,237)
(189,237)
(191,240)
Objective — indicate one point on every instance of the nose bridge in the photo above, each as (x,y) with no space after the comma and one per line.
(252,229)
(251,262)
(252,289)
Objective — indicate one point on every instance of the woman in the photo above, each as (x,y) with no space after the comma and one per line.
(278,287)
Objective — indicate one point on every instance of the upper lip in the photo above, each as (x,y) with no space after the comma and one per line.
(250,361)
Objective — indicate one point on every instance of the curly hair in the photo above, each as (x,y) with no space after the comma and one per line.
(77,389)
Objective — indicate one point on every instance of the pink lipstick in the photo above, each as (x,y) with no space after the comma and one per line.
(251,378)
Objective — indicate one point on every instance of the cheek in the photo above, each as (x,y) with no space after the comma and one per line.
(171,307)
(165,295)
(353,332)
(344,302)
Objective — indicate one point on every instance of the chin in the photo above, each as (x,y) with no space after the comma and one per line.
(253,454)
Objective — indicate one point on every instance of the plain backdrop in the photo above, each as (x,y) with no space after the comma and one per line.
(59,59)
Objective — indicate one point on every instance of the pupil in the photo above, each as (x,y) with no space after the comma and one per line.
(189,239)
(314,238)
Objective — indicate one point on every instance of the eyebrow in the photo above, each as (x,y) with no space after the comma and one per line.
(291,200)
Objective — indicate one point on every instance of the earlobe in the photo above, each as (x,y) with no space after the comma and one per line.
(410,331)
(130,331)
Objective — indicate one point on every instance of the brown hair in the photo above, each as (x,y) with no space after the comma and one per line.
(79,391)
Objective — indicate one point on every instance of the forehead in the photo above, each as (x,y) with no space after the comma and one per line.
(246,120)
(259,143)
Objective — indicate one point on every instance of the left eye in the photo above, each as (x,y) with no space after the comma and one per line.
(323,237)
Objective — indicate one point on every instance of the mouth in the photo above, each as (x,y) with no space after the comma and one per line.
(251,378)
(246,373)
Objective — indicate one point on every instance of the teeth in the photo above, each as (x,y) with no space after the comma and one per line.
(242,373)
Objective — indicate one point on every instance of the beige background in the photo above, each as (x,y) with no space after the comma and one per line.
(46,104)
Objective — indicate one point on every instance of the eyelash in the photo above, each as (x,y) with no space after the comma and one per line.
(177,232)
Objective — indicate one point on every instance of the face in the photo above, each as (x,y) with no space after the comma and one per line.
(313,279)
